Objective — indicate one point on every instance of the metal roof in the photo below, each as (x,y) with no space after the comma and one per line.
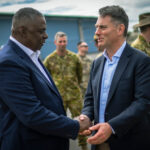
(53,16)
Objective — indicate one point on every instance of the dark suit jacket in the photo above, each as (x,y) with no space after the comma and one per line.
(32,116)
(128,101)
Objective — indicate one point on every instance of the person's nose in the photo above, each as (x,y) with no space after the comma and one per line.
(98,31)
(45,35)
(63,43)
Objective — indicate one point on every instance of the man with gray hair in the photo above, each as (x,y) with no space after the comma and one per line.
(118,97)
(32,116)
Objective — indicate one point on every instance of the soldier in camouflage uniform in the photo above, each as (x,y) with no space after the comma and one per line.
(66,71)
(86,64)
(143,40)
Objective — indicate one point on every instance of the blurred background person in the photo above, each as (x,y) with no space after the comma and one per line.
(86,64)
(66,70)
(142,42)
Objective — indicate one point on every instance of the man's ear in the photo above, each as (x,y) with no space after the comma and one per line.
(121,29)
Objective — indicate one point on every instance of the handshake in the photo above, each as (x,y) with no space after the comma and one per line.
(104,130)
(85,123)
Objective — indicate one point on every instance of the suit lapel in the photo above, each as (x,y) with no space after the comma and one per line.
(31,64)
(99,79)
(50,78)
(122,64)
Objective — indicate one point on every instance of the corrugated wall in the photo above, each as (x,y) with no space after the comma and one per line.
(76,28)
(5,29)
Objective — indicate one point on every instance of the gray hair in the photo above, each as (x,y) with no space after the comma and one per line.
(23,16)
(117,14)
(60,34)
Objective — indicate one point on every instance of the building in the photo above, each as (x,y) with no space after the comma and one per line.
(76,27)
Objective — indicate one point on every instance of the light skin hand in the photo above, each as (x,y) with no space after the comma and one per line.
(104,131)
(85,132)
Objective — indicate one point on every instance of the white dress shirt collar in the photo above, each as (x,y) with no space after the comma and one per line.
(27,50)
(33,56)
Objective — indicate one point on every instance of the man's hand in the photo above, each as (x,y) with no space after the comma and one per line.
(87,131)
(103,133)
(85,123)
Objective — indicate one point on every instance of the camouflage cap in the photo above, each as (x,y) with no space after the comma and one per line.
(144,19)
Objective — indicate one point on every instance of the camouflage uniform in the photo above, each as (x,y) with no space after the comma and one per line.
(66,72)
(86,65)
(141,44)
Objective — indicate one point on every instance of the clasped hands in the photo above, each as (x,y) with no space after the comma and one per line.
(104,130)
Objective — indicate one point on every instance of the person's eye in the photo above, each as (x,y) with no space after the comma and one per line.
(103,27)
(41,31)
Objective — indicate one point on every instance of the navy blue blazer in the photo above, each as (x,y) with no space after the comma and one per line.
(32,116)
(128,101)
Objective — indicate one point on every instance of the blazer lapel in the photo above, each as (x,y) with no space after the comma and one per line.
(28,61)
(51,86)
(122,64)
(99,79)
(50,78)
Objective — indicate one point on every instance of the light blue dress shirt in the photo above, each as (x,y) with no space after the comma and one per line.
(108,73)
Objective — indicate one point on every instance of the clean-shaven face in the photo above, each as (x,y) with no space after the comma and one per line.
(83,48)
(36,33)
(61,43)
(106,30)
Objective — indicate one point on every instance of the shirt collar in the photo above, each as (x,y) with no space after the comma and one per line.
(118,52)
(27,50)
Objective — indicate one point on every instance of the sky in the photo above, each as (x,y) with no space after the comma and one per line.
(78,7)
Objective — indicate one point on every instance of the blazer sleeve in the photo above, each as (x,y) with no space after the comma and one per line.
(17,92)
